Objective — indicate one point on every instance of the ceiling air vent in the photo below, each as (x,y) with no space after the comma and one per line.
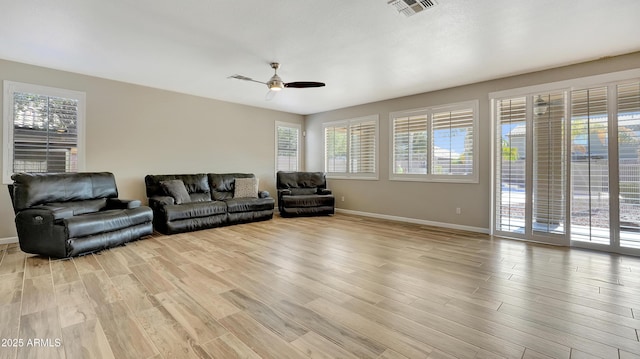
(411,7)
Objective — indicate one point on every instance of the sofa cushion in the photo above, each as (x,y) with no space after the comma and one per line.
(176,189)
(81,207)
(117,203)
(236,205)
(308,200)
(300,180)
(194,183)
(245,188)
(194,210)
(222,184)
(303,191)
(107,221)
(200,197)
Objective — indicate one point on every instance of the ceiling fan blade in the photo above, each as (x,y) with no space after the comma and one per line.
(270,95)
(244,78)
(304,84)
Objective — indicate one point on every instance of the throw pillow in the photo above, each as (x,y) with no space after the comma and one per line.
(177,190)
(246,188)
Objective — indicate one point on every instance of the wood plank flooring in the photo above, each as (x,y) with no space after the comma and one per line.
(322,287)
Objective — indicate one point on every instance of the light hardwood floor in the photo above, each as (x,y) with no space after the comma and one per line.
(324,287)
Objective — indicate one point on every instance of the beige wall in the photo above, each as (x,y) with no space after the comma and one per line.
(436,202)
(134,130)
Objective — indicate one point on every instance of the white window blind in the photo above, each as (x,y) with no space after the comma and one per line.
(510,166)
(590,166)
(335,144)
(42,129)
(351,148)
(628,99)
(410,141)
(435,144)
(362,147)
(453,142)
(287,147)
(549,164)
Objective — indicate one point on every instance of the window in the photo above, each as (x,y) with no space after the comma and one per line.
(42,129)
(590,180)
(435,144)
(509,163)
(628,131)
(351,148)
(515,125)
(287,146)
(566,163)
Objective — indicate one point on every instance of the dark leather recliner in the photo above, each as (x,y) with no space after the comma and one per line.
(304,194)
(67,214)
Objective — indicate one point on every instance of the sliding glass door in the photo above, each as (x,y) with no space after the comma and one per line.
(510,167)
(628,132)
(531,167)
(567,169)
(590,196)
(549,165)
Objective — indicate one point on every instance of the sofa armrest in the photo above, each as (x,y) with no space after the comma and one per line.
(157,202)
(39,231)
(284,192)
(41,217)
(264,194)
(116,203)
(324,191)
(56,213)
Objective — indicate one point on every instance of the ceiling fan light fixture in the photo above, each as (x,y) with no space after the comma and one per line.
(275,83)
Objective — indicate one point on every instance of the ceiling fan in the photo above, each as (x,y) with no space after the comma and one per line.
(275,83)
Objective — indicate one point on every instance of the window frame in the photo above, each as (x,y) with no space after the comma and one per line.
(474,177)
(298,127)
(349,123)
(11,87)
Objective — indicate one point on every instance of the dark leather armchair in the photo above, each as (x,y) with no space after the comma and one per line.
(67,214)
(304,194)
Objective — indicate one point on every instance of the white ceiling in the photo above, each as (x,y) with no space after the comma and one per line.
(362,49)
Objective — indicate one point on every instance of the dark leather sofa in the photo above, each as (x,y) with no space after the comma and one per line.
(304,194)
(67,214)
(209,202)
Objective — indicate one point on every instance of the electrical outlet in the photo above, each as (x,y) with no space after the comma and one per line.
(342,198)
(458,210)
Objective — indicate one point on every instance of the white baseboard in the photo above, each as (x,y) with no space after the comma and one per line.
(8,240)
(415,221)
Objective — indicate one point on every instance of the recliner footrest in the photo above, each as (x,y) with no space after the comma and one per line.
(107,221)
(308,201)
